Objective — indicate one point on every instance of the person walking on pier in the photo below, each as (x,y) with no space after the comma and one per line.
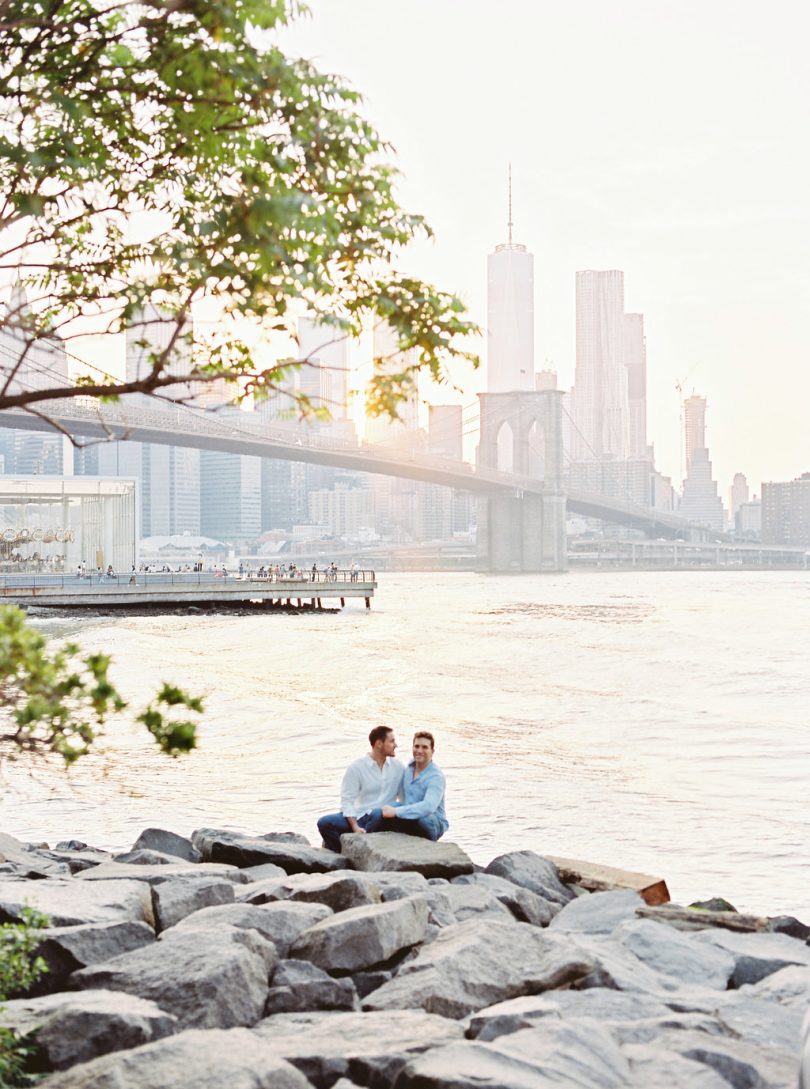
(372,782)
(422,811)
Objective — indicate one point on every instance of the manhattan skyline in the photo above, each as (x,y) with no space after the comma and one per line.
(660,142)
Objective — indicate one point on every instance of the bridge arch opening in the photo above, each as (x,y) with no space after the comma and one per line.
(505,443)
(536,450)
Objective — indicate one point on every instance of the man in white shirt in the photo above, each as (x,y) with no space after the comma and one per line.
(371,782)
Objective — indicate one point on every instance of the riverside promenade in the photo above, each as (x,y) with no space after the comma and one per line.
(187,588)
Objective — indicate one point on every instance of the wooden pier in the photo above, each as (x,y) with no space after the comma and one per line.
(186,588)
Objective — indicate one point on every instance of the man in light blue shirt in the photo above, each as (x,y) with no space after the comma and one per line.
(373,781)
(422,812)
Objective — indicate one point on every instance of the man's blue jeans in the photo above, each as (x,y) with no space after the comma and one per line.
(335,825)
(429,827)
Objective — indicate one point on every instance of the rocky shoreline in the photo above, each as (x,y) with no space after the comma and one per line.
(252,962)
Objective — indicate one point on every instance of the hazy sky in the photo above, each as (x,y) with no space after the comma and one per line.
(666,140)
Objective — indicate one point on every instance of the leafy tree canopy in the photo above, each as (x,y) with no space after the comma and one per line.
(155,155)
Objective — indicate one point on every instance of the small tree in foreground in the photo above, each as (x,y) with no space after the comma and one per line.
(57,701)
(20,968)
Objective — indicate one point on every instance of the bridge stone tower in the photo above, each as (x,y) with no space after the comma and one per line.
(521,433)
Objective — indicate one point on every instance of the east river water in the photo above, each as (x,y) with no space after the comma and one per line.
(653,721)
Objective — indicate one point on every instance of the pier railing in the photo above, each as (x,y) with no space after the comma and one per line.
(12,584)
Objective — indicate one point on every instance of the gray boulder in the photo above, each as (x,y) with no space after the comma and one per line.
(599,1004)
(551,1054)
(168,843)
(280,923)
(366,982)
(75,1028)
(391,851)
(789,986)
(66,949)
(479,962)
(790,925)
(78,860)
(73,902)
(743,1065)
(144,857)
(466,902)
(597,912)
(263,871)
(532,871)
(756,955)
(174,900)
(368,1048)
(363,937)
(153,875)
(299,986)
(30,861)
(339,891)
(652,1066)
(395,885)
(285,850)
(674,953)
(191,1060)
(616,968)
(206,979)
(525,905)
(759,1021)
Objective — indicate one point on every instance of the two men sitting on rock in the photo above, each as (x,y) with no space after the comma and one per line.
(378,794)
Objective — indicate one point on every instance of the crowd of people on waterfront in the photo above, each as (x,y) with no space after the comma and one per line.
(272,572)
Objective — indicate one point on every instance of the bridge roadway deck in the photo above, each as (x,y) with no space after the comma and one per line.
(74,592)
(184,426)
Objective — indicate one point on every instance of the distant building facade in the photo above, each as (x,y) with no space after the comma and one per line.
(40,365)
(700,501)
(786,512)
(601,408)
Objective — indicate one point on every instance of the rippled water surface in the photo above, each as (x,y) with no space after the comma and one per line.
(654,721)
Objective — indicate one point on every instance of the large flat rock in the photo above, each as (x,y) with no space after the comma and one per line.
(598,1004)
(279,922)
(66,949)
(157,874)
(363,937)
(552,1055)
(479,962)
(72,902)
(597,913)
(390,851)
(369,1048)
(75,1027)
(286,851)
(237,1059)
(204,978)
(339,891)
(676,954)
(756,955)
(525,905)
(173,900)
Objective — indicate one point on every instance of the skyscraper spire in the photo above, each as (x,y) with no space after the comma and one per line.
(510,205)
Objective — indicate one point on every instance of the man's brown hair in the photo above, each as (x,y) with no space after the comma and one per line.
(379,733)
(428,735)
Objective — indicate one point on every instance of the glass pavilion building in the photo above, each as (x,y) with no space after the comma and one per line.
(59,524)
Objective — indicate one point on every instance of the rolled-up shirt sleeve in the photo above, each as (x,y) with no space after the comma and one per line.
(350,792)
(434,793)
